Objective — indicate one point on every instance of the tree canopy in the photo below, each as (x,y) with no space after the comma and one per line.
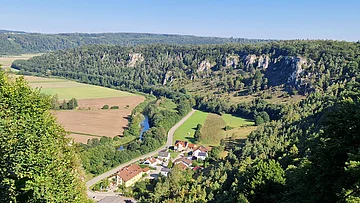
(37,164)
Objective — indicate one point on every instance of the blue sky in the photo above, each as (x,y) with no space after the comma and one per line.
(266,19)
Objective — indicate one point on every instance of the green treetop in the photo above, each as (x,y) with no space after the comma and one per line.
(37,162)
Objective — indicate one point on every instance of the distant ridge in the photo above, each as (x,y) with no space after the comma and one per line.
(20,42)
(11,31)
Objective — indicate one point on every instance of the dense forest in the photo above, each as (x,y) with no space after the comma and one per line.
(208,72)
(38,164)
(306,151)
(15,42)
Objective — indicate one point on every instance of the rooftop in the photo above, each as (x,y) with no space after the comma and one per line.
(183,160)
(164,154)
(151,160)
(128,172)
(202,149)
(165,170)
(202,154)
(190,145)
(180,142)
(182,166)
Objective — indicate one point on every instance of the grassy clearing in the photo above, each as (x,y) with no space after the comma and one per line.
(237,137)
(213,130)
(174,154)
(66,89)
(167,104)
(6,61)
(187,129)
(234,121)
(240,133)
(124,140)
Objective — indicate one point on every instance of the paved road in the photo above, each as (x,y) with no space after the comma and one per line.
(169,142)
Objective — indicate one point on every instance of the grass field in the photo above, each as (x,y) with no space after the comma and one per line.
(66,89)
(213,130)
(6,61)
(235,122)
(174,154)
(186,131)
(167,104)
(89,120)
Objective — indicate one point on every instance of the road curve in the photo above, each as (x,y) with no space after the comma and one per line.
(169,142)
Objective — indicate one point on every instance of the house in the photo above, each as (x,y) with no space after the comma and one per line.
(151,161)
(184,161)
(164,155)
(200,149)
(181,145)
(192,146)
(129,175)
(146,170)
(201,153)
(182,166)
(165,171)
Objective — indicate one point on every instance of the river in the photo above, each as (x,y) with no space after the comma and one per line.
(144,126)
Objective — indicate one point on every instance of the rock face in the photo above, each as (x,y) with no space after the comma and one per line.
(167,76)
(296,64)
(204,65)
(232,61)
(263,61)
(134,58)
(250,59)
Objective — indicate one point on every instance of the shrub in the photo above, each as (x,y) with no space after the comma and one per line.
(114,107)
(105,106)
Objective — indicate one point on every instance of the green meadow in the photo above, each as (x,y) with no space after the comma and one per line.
(213,129)
(66,89)
(234,121)
(187,129)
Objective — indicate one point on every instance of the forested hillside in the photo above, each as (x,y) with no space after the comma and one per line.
(37,163)
(14,42)
(310,155)
(207,71)
(308,152)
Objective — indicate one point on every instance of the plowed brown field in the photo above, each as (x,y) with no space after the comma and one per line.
(89,120)
(98,122)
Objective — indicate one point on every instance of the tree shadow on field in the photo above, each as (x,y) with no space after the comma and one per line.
(232,143)
(191,139)
(127,117)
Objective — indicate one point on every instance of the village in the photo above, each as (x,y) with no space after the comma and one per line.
(184,155)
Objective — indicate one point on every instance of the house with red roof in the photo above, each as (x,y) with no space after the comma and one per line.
(180,145)
(151,161)
(183,160)
(201,153)
(128,175)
